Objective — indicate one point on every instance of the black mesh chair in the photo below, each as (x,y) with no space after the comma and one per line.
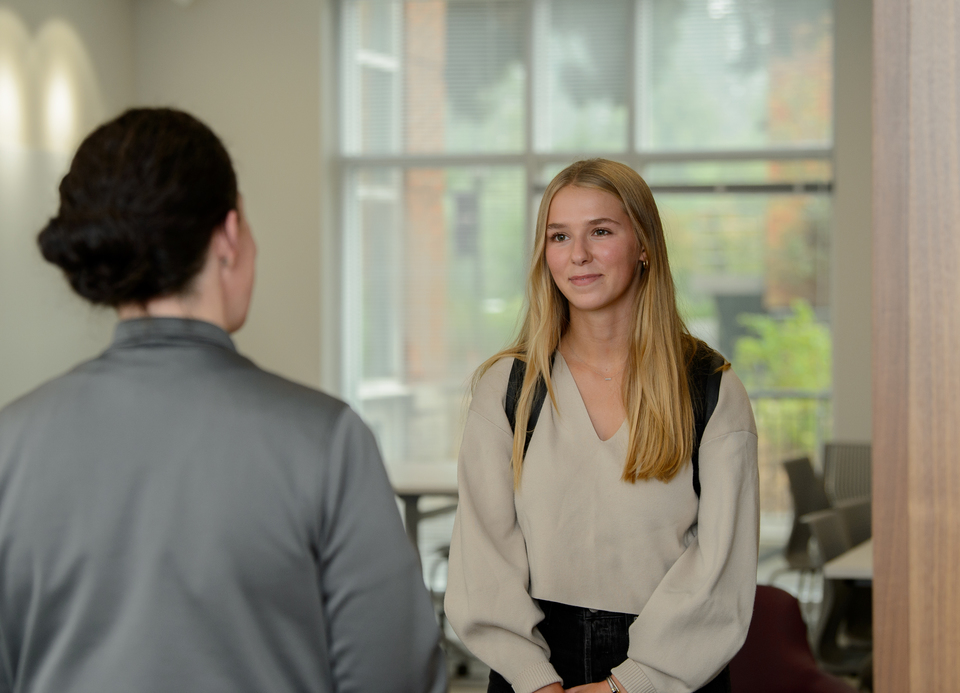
(846,471)
(808,496)
(857,518)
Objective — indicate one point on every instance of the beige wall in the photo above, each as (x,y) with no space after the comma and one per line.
(251,70)
(79,57)
(851,299)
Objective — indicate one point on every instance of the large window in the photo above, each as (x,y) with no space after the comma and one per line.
(456,113)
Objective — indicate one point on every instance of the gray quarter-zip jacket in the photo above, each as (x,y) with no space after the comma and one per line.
(174,519)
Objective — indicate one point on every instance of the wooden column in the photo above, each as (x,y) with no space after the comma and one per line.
(916,370)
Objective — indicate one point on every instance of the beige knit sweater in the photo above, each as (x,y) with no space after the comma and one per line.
(575,533)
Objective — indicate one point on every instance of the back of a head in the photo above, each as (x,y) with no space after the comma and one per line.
(139,206)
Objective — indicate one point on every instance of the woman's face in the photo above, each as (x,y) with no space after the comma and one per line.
(592,250)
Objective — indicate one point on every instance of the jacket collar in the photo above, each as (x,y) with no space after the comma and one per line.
(169,332)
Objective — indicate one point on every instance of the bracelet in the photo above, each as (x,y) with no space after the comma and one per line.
(613,686)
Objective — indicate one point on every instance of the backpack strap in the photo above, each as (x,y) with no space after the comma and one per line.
(514,384)
(704,382)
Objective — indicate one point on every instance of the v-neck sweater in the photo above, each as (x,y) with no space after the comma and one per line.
(575,533)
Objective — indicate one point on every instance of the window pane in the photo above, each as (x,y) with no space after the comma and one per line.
(370,76)
(428,77)
(752,280)
(485,76)
(582,54)
(735,73)
(753,253)
(436,267)
(378,197)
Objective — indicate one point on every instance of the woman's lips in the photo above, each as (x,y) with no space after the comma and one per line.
(584,279)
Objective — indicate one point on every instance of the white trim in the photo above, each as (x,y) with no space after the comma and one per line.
(330,194)
(813,152)
(377,61)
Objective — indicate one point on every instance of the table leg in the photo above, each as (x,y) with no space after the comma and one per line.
(411,518)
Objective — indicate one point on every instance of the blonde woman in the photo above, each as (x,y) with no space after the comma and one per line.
(589,561)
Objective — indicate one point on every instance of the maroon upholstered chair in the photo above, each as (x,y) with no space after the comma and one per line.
(776,658)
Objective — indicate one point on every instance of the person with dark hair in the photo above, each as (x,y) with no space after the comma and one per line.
(173,518)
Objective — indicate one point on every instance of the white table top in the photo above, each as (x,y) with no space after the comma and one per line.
(855,564)
(424,478)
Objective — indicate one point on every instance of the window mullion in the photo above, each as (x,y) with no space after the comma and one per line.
(530,119)
(399,141)
(633,50)
(641,65)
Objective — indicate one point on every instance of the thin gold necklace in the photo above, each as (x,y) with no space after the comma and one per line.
(577,356)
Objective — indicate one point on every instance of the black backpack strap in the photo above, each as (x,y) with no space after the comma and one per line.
(704,382)
(514,384)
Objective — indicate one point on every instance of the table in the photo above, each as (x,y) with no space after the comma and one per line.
(855,564)
(846,600)
(410,481)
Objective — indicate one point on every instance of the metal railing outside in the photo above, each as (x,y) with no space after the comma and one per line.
(790,423)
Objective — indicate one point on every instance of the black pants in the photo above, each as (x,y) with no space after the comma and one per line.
(585,645)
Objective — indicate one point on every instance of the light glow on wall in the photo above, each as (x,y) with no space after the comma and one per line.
(68,100)
(49,98)
(60,111)
(14,42)
(11,107)
(49,91)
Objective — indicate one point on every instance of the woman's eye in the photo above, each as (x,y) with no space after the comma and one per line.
(601,232)
(558,237)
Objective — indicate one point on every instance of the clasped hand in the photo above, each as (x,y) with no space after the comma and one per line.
(599,687)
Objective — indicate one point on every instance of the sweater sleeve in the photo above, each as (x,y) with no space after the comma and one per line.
(698,616)
(487,601)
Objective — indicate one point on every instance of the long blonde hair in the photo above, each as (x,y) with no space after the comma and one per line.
(656,394)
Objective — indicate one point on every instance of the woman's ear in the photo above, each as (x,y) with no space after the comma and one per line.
(226,240)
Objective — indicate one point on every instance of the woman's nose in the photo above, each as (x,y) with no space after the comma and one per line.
(581,254)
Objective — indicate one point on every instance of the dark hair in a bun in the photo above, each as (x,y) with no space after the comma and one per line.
(139,206)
